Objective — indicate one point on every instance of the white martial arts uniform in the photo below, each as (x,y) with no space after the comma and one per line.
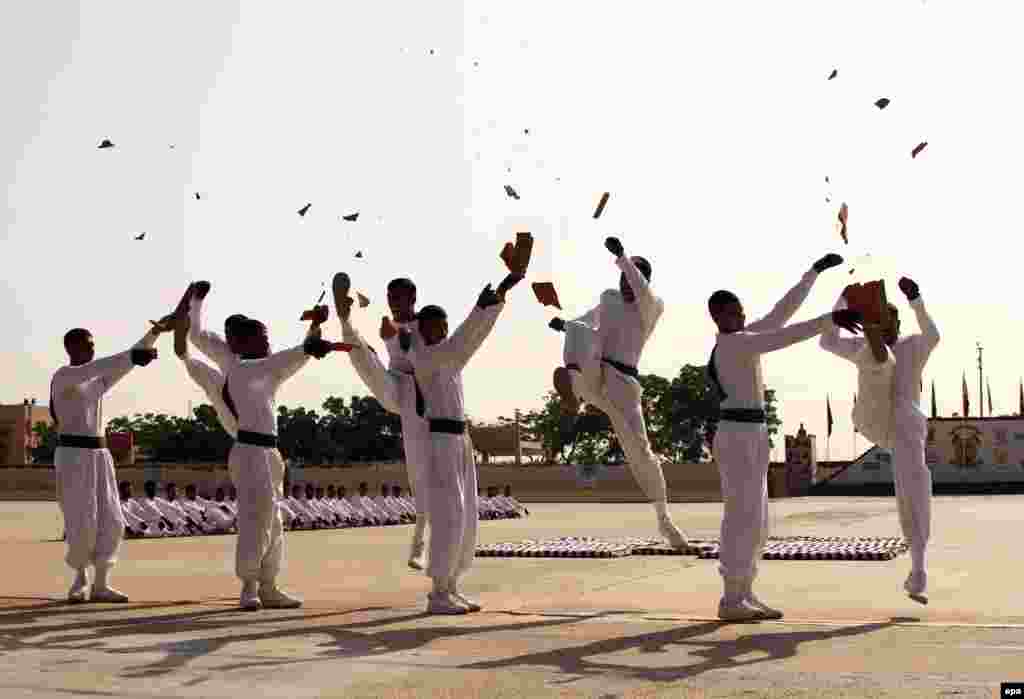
(909,424)
(450,476)
(134,516)
(306,519)
(86,485)
(153,516)
(619,331)
(395,389)
(218,518)
(257,471)
(741,448)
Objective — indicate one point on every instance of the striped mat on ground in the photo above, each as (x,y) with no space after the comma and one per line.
(790,548)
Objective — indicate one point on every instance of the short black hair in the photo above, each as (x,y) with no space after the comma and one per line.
(431,313)
(124,484)
(172,484)
(643,265)
(74,336)
(149,484)
(246,328)
(232,321)
(190,486)
(401,284)
(721,298)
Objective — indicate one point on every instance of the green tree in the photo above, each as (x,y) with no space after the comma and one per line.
(46,443)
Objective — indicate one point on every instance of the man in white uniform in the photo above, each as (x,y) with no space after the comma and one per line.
(438,361)
(304,518)
(135,525)
(602,350)
(255,464)
(909,425)
(740,444)
(86,485)
(395,388)
(145,507)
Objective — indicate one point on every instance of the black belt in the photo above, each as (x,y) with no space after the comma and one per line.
(751,415)
(257,439)
(446,426)
(81,442)
(624,368)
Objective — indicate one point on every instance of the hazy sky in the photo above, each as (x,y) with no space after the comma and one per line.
(712,125)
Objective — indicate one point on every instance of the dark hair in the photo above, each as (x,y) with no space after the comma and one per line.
(74,336)
(190,486)
(149,484)
(170,485)
(431,313)
(231,323)
(124,484)
(719,300)
(247,328)
(401,284)
(643,265)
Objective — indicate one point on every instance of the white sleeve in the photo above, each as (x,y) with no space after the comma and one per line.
(208,342)
(456,351)
(772,340)
(787,307)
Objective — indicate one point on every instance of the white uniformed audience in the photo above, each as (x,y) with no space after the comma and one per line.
(309,507)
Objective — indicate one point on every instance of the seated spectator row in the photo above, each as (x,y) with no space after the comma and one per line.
(311,507)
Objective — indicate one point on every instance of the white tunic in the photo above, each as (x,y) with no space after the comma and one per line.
(623,329)
(738,354)
(77,391)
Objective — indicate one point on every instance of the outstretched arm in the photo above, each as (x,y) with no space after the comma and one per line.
(772,340)
(787,307)
(651,307)
(211,381)
(208,342)
(384,385)
(928,339)
(283,365)
(456,350)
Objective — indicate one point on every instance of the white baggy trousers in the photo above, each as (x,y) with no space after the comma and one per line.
(450,476)
(742,453)
(617,396)
(913,481)
(258,475)
(87,493)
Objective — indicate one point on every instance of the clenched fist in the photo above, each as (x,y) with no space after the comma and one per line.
(827,262)
(614,246)
(557,324)
(141,356)
(909,288)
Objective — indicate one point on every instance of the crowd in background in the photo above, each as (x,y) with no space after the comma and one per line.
(309,507)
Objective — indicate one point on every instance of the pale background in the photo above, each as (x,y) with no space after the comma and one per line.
(712,125)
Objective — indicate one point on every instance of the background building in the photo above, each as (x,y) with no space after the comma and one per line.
(16,437)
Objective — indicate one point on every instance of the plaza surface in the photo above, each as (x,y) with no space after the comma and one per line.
(633,626)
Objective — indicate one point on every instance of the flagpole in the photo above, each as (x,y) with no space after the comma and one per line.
(981,390)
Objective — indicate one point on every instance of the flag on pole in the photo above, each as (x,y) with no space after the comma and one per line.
(855,408)
(988,387)
(935,411)
(966,400)
(828,414)
(1020,400)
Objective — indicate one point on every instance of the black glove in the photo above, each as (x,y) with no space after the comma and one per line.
(909,288)
(827,262)
(488,297)
(141,356)
(404,339)
(201,289)
(557,324)
(614,246)
(316,347)
(848,319)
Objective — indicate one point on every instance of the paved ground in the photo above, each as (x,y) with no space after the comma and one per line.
(635,626)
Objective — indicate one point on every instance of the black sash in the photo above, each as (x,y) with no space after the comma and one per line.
(447,426)
(53,411)
(81,442)
(257,439)
(712,375)
(228,401)
(421,405)
(624,368)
